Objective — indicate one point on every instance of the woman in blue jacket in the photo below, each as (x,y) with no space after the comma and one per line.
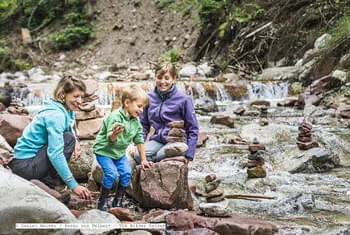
(167,104)
(48,141)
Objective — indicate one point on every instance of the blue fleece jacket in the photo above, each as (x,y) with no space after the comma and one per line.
(48,127)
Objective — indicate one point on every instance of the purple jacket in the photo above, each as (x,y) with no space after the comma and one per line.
(175,106)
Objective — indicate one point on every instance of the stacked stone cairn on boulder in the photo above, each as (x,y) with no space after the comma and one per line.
(210,189)
(176,139)
(89,115)
(256,162)
(304,139)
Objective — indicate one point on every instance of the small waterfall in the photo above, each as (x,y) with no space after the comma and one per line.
(258,90)
(221,94)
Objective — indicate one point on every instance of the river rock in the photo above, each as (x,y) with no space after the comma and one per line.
(210,186)
(12,126)
(239,111)
(210,178)
(176,132)
(315,160)
(216,192)
(88,129)
(165,186)
(85,115)
(218,209)
(202,139)
(175,149)
(182,220)
(256,172)
(96,216)
(26,203)
(343,111)
(223,120)
(176,124)
(82,166)
(265,103)
(278,74)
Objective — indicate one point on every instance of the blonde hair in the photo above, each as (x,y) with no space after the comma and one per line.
(166,67)
(134,92)
(66,85)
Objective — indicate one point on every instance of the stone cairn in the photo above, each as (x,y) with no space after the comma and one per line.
(304,139)
(256,162)
(211,190)
(176,140)
(89,115)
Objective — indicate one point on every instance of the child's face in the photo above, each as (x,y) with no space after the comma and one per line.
(165,81)
(134,108)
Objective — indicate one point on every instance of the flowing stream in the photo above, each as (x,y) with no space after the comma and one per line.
(317,203)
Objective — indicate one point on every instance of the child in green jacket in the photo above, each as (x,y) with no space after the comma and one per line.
(120,128)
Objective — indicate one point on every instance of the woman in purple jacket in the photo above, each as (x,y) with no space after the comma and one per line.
(167,104)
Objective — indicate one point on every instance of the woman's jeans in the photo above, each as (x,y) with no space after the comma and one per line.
(154,152)
(40,167)
(112,167)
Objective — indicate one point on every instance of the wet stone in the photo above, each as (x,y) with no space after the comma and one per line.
(212,185)
(216,192)
(177,124)
(256,172)
(210,178)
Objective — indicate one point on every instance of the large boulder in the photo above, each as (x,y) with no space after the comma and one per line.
(236,224)
(165,186)
(88,129)
(23,202)
(316,160)
(96,216)
(12,126)
(83,165)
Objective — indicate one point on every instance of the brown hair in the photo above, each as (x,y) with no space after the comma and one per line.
(66,85)
(134,92)
(166,67)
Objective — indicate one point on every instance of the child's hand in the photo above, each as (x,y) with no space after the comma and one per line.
(146,164)
(117,128)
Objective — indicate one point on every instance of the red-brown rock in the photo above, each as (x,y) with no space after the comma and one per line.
(121,213)
(255,147)
(307,145)
(12,126)
(260,103)
(223,120)
(343,111)
(237,224)
(240,110)
(165,186)
(202,139)
(88,129)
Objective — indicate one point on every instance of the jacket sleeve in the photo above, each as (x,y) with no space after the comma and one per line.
(55,125)
(145,122)
(191,127)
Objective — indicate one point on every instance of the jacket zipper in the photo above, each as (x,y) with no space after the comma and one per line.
(160,109)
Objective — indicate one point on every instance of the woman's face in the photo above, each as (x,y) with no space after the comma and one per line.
(165,81)
(73,99)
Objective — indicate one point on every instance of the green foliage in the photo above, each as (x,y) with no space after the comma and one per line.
(341,31)
(7,8)
(163,3)
(75,18)
(173,55)
(70,37)
(137,3)
(210,10)
(247,12)
(22,64)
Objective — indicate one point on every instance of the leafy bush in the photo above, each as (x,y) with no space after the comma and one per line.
(173,55)
(7,8)
(247,12)
(70,37)
(341,31)
(22,64)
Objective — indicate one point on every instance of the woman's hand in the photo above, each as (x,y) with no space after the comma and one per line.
(77,151)
(82,192)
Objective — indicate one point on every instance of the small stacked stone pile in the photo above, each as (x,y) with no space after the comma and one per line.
(256,162)
(210,189)
(263,115)
(176,133)
(304,139)
(16,107)
(176,139)
(89,115)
